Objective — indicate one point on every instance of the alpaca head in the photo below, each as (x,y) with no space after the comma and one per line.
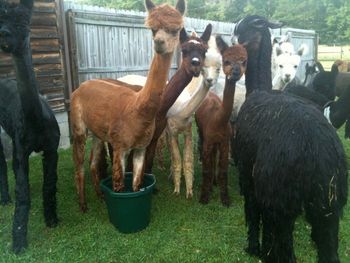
(324,82)
(287,66)
(14,27)
(193,50)
(234,59)
(212,63)
(251,29)
(165,23)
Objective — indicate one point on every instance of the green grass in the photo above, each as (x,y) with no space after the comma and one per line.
(180,230)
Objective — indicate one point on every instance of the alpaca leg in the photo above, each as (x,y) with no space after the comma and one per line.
(222,176)
(277,238)
(50,159)
(325,228)
(188,161)
(97,149)
(139,161)
(207,172)
(118,170)
(78,157)
(175,162)
(251,209)
(151,148)
(22,204)
(4,188)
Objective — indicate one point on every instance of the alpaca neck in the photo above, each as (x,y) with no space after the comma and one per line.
(227,102)
(340,110)
(258,73)
(174,88)
(196,99)
(149,96)
(26,85)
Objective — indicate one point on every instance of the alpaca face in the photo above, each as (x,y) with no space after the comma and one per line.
(212,67)
(165,23)
(287,66)
(234,61)
(14,27)
(193,50)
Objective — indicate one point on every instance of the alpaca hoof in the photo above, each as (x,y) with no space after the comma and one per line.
(253,251)
(118,188)
(83,208)
(176,192)
(189,195)
(226,202)
(5,201)
(52,222)
(204,200)
(19,246)
(155,190)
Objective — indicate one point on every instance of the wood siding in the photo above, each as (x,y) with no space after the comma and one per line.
(47,54)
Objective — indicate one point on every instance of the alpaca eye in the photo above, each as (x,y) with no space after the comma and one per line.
(173,32)
(281,66)
(295,66)
(227,63)
(154,31)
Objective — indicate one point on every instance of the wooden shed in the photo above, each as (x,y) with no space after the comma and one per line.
(48,59)
(47,53)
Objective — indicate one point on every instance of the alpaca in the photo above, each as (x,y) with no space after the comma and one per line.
(193,54)
(343,66)
(212,119)
(283,148)
(28,120)
(287,67)
(257,60)
(310,73)
(180,117)
(175,86)
(130,121)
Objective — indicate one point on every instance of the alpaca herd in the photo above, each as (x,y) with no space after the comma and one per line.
(281,132)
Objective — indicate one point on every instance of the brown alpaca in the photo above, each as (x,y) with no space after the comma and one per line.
(212,119)
(193,55)
(119,115)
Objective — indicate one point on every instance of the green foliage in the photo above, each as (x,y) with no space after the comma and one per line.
(330,19)
(180,230)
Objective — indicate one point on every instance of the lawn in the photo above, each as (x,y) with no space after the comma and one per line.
(180,230)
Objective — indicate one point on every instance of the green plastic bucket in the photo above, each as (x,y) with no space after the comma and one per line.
(129,211)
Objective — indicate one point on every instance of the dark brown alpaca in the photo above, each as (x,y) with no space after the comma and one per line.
(117,114)
(212,119)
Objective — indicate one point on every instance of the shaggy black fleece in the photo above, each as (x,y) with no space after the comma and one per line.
(289,158)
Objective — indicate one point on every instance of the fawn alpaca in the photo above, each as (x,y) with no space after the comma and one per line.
(212,119)
(119,115)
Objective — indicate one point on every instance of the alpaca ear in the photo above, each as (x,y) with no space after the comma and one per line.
(206,34)
(149,5)
(27,3)
(278,50)
(183,35)
(319,66)
(303,50)
(274,25)
(221,44)
(181,6)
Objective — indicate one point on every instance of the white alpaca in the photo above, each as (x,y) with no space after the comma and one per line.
(180,117)
(286,66)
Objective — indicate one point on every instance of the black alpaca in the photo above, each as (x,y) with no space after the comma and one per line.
(259,51)
(28,120)
(289,158)
(322,91)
